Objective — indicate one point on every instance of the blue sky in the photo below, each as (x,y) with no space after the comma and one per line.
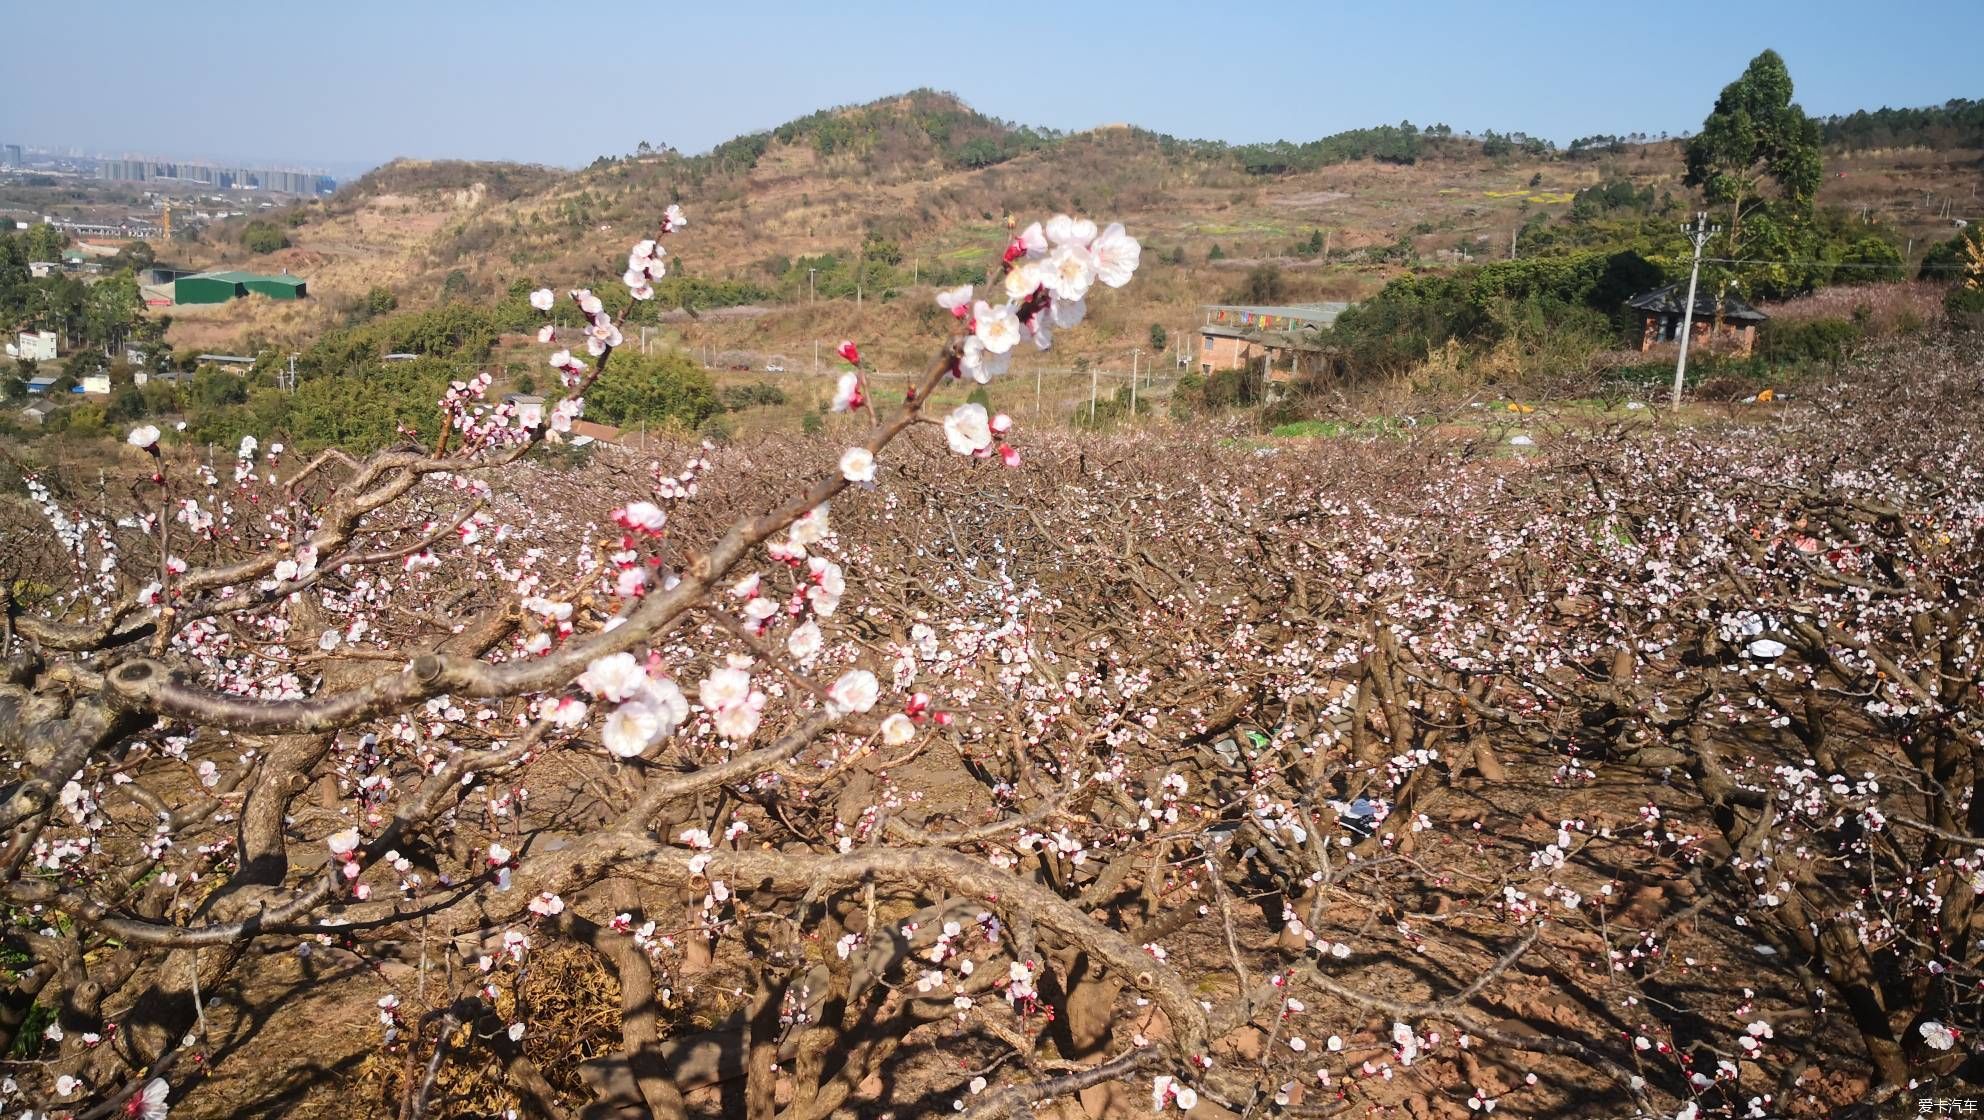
(362,81)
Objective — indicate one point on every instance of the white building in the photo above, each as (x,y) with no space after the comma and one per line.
(97,383)
(36,346)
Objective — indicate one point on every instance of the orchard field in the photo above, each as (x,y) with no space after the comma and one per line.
(931,765)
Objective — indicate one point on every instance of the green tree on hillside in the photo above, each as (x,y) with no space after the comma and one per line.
(136,256)
(261,237)
(1756,133)
(1263,285)
(1870,259)
(44,242)
(16,283)
(657,389)
(110,309)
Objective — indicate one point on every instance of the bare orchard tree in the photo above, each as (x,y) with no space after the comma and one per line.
(370,629)
(1631,771)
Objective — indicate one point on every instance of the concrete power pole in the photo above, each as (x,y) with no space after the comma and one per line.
(1093,373)
(1134,355)
(1699,234)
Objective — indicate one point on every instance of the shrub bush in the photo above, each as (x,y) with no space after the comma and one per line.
(261,237)
(1965,307)
(1816,340)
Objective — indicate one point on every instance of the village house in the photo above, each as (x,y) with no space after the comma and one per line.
(34,346)
(1287,339)
(1731,327)
(585,433)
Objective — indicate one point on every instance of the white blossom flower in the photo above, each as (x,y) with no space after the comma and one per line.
(724,688)
(740,721)
(644,516)
(954,299)
(968,429)
(804,641)
(847,392)
(615,677)
(145,436)
(898,729)
(1069,271)
(342,843)
(855,691)
(1064,230)
(633,727)
(1116,255)
(150,1102)
(857,464)
(542,299)
(810,527)
(997,327)
(980,364)
(1937,1035)
(1022,278)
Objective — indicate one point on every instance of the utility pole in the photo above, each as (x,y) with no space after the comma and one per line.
(1134,355)
(1512,242)
(810,298)
(1700,234)
(1093,373)
(816,355)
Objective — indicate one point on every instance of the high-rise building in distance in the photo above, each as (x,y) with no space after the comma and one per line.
(219,178)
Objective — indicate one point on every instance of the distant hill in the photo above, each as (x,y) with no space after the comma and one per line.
(891,197)
(495,181)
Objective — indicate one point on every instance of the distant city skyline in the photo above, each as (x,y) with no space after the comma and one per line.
(75,151)
(507,80)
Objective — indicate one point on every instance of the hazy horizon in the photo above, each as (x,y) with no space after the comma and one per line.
(450,80)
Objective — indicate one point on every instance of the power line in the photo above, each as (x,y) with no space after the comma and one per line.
(1837,264)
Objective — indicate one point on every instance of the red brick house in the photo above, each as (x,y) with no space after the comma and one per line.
(1732,327)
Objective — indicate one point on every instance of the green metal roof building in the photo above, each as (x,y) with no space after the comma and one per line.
(277,287)
(219,287)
